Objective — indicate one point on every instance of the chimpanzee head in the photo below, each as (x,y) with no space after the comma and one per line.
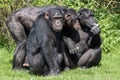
(56,19)
(86,18)
(71,19)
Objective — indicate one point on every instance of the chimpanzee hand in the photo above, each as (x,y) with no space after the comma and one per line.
(74,49)
(78,48)
(95,30)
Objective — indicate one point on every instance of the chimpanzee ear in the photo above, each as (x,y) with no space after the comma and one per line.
(47,15)
(67,16)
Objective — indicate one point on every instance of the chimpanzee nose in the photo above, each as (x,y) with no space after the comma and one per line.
(58,23)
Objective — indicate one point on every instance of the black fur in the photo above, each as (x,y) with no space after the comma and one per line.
(84,51)
(41,45)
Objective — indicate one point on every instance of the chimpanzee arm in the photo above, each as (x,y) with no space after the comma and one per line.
(46,44)
(95,41)
(47,50)
(69,43)
(75,47)
(48,53)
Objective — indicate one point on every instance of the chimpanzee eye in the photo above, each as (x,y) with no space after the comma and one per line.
(60,18)
(80,14)
(86,17)
(91,15)
(68,15)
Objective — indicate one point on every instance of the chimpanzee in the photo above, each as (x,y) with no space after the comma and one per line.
(20,23)
(44,37)
(85,52)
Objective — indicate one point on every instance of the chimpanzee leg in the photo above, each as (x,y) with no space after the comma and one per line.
(49,55)
(68,62)
(99,55)
(16,29)
(58,56)
(19,56)
(90,58)
(18,33)
(25,64)
(37,64)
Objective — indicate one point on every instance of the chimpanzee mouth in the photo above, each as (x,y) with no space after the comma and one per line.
(92,25)
(57,29)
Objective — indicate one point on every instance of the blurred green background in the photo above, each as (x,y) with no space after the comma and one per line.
(107,13)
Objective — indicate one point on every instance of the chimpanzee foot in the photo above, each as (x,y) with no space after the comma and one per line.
(25,65)
(18,68)
(66,68)
(83,67)
(54,72)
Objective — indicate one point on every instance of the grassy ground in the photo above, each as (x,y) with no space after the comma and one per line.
(108,70)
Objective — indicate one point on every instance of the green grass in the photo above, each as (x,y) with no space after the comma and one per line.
(108,70)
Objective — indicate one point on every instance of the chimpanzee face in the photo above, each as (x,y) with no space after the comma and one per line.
(56,18)
(71,19)
(86,18)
